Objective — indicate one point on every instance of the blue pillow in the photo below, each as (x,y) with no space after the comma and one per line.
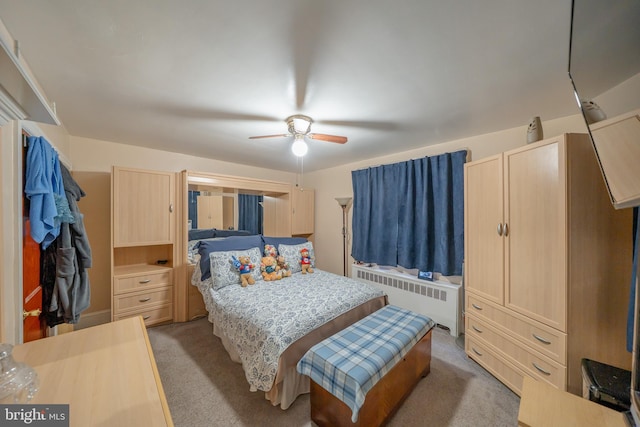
(233,243)
(229,233)
(199,234)
(277,241)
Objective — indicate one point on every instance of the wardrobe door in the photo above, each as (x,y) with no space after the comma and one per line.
(535,210)
(484,224)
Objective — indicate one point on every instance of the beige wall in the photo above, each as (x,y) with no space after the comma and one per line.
(96,208)
(336,182)
(99,156)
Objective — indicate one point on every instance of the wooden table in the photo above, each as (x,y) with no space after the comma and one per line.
(542,405)
(107,375)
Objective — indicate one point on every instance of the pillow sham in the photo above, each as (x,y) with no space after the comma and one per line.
(233,243)
(291,254)
(223,272)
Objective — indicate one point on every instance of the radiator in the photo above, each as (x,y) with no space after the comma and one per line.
(442,302)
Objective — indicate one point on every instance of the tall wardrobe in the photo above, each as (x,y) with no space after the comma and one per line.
(547,264)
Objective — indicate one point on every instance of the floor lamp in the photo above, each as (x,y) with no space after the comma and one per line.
(344,204)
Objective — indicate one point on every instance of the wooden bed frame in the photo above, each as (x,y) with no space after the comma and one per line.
(383,400)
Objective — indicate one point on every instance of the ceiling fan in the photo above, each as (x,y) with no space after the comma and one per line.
(299,126)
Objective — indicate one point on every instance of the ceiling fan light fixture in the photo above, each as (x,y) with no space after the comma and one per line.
(299,124)
(299,146)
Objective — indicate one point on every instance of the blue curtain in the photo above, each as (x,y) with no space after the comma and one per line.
(411,214)
(250,213)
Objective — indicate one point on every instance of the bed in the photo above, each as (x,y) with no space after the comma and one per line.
(269,326)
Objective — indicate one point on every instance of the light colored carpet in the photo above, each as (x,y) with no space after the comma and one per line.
(205,388)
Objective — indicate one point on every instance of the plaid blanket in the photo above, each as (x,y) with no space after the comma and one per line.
(351,362)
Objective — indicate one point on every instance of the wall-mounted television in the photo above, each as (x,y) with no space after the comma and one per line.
(604,56)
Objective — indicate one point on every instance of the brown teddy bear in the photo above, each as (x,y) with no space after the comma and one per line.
(269,269)
(244,267)
(283,267)
(305,261)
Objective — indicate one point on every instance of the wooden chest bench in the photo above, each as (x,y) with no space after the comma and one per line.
(361,375)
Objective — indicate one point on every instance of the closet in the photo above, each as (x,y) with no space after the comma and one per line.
(547,264)
(143,244)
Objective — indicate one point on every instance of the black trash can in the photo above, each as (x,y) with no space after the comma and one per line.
(606,385)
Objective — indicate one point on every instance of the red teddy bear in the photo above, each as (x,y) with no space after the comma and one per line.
(305,261)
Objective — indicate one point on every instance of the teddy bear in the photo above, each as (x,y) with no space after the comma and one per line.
(305,261)
(270,250)
(283,270)
(244,267)
(269,269)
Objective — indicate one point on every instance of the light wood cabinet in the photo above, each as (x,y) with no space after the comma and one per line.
(143,205)
(302,211)
(143,245)
(106,374)
(211,212)
(547,264)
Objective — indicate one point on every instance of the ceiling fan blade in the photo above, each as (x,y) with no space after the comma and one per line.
(270,136)
(328,138)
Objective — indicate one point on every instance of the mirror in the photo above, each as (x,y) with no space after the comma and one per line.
(224,209)
(236,205)
(212,208)
(604,68)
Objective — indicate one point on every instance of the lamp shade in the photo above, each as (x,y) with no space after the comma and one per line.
(343,201)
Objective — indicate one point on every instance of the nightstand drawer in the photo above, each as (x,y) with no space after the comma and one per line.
(138,300)
(141,281)
(548,341)
(150,316)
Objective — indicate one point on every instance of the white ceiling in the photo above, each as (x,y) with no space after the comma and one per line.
(201,76)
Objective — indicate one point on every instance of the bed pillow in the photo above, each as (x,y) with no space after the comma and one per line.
(291,254)
(233,243)
(229,233)
(277,241)
(202,233)
(223,272)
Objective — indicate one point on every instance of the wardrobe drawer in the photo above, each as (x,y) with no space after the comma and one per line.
(150,316)
(141,281)
(537,366)
(137,300)
(505,371)
(548,341)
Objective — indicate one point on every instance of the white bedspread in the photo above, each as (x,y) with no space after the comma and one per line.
(262,320)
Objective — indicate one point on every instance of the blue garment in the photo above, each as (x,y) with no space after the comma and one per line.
(43,187)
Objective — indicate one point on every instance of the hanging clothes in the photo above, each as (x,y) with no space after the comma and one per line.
(71,293)
(48,205)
